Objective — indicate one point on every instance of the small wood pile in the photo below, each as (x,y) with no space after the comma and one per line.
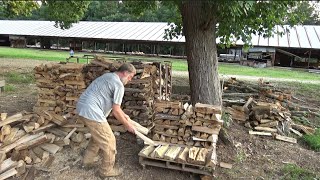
(59,87)
(29,140)
(264,109)
(197,126)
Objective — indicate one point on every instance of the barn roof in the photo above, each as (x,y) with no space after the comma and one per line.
(299,36)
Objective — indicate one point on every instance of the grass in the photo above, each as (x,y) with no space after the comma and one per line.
(19,78)
(9,88)
(313,140)
(177,64)
(294,172)
(303,89)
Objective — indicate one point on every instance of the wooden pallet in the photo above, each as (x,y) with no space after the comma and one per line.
(163,163)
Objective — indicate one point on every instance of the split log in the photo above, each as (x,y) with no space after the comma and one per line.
(182,157)
(207,108)
(260,133)
(51,148)
(9,173)
(11,119)
(201,156)
(22,140)
(206,129)
(172,153)
(225,165)
(159,153)
(286,139)
(192,155)
(265,129)
(146,151)
(32,143)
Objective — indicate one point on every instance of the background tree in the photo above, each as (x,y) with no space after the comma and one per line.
(309,10)
(201,22)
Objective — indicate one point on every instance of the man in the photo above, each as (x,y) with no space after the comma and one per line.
(95,104)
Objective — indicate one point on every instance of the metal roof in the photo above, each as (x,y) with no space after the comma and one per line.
(299,36)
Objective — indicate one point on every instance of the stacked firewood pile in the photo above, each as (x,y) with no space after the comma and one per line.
(184,135)
(59,87)
(147,85)
(197,126)
(31,140)
(264,109)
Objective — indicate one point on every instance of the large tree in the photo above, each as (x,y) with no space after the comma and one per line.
(201,21)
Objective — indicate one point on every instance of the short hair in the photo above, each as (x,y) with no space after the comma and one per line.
(127,67)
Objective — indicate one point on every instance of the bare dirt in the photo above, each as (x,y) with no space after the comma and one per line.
(252,157)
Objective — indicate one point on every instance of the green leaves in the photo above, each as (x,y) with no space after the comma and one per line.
(16,8)
(64,13)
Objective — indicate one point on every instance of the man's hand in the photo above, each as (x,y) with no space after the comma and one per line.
(130,128)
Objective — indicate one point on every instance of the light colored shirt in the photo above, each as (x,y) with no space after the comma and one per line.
(95,103)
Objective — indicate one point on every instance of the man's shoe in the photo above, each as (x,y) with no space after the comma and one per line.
(112,173)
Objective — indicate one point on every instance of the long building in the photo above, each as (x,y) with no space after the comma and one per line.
(300,45)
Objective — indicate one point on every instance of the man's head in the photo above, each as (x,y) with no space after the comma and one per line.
(126,72)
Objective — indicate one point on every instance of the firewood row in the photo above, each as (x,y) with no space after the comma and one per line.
(59,87)
(197,125)
(184,155)
(146,86)
(32,140)
(265,110)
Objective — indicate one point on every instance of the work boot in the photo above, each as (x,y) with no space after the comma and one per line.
(112,173)
(88,166)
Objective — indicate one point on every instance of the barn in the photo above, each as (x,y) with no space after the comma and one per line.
(298,48)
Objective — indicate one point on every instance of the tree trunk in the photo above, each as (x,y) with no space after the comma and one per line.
(199,31)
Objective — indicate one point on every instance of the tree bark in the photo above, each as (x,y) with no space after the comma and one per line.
(199,30)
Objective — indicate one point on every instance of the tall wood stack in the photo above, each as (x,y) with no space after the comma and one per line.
(197,125)
(59,87)
(146,86)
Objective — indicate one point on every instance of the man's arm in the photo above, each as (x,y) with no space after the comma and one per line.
(121,116)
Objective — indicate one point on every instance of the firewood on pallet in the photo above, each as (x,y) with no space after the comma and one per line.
(182,157)
(160,152)
(147,150)
(192,155)
(201,156)
(172,153)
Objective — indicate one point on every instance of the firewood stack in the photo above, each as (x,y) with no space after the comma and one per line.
(140,93)
(59,87)
(197,126)
(28,139)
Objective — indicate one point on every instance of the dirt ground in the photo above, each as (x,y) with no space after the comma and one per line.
(252,157)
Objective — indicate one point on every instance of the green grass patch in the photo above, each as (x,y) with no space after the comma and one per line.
(18,78)
(294,172)
(304,89)
(313,140)
(177,64)
(9,88)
